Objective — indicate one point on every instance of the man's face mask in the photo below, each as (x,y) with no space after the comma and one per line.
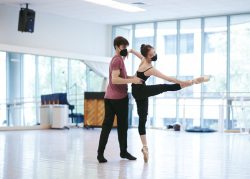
(154,58)
(123,52)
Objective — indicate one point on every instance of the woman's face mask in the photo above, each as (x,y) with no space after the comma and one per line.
(154,58)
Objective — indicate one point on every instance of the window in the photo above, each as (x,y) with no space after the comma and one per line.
(18,75)
(61,75)
(78,85)
(165,112)
(166,51)
(14,82)
(240,65)
(215,66)
(240,54)
(144,34)
(215,55)
(190,67)
(126,32)
(170,44)
(95,82)
(211,113)
(29,90)
(44,73)
(3,121)
(187,43)
(208,36)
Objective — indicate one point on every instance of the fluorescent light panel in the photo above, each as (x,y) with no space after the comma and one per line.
(116,5)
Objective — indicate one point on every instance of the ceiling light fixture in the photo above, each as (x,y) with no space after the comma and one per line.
(117,5)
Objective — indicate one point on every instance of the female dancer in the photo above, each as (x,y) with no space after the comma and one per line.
(141,92)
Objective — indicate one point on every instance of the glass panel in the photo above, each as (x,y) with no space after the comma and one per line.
(215,55)
(191,111)
(44,75)
(240,54)
(61,75)
(29,92)
(144,34)
(190,54)
(135,117)
(211,113)
(3,121)
(29,74)
(29,113)
(126,32)
(166,52)
(95,82)
(240,110)
(15,117)
(150,118)
(190,67)
(165,112)
(78,85)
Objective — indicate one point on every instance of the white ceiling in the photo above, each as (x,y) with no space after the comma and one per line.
(157,10)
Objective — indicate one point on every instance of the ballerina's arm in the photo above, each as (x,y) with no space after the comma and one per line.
(158,74)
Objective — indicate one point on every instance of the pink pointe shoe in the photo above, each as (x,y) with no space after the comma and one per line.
(200,80)
(145,153)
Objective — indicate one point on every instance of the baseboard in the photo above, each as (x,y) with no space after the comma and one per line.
(14,128)
(235,131)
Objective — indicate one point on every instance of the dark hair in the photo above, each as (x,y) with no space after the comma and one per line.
(120,41)
(145,49)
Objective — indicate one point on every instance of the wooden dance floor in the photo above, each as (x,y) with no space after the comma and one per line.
(72,153)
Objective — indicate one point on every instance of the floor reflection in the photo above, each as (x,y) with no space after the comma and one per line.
(72,154)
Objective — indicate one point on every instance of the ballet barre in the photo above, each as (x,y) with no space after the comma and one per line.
(238,103)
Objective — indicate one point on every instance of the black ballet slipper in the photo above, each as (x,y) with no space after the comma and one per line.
(101,159)
(127,156)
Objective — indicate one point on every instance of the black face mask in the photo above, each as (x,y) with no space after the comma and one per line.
(124,52)
(154,58)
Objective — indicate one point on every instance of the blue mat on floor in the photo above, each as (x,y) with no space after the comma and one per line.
(199,129)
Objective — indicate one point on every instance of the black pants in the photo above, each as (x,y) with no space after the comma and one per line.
(141,93)
(120,108)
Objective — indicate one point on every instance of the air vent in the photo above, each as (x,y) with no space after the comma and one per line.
(140,4)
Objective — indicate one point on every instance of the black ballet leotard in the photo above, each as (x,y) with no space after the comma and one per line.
(141,92)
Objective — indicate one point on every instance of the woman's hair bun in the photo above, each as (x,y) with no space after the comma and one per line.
(145,49)
(142,45)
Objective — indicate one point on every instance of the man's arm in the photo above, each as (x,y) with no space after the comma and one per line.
(116,79)
(129,77)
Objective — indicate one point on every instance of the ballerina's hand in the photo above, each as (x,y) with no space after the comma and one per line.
(129,51)
(127,55)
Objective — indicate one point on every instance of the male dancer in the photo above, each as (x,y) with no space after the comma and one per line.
(116,101)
